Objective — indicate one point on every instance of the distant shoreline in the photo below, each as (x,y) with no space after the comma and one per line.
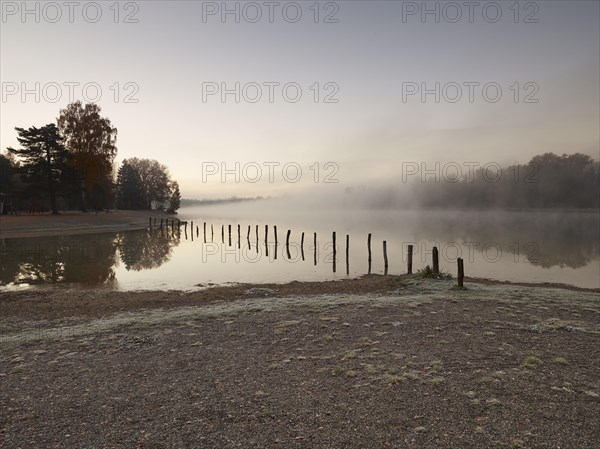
(186,202)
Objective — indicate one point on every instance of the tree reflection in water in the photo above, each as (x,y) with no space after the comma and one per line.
(82,259)
(85,259)
(143,250)
(544,239)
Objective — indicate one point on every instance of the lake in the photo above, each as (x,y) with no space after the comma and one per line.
(560,247)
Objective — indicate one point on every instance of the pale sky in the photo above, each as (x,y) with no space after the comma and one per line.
(366,57)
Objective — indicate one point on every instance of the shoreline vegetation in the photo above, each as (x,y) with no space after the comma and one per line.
(71,165)
(380,361)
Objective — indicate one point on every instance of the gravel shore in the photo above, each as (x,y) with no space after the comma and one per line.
(390,362)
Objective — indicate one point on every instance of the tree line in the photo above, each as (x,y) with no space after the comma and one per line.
(547,181)
(71,165)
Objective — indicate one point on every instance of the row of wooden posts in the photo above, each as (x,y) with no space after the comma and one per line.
(409,268)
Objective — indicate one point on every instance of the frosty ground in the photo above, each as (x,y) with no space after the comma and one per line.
(381,361)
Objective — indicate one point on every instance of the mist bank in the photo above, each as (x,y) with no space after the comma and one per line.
(546,182)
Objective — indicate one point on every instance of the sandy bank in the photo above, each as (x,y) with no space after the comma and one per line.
(12,226)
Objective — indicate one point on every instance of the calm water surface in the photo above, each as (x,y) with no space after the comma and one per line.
(515,246)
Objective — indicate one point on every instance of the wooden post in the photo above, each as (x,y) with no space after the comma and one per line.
(267,240)
(287,244)
(275,232)
(257,242)
(192,227)
(239,236)
(315,247)
(212,233)
(302,246)
(223,234)
(410,257)
(229,229)
(369,248)
(150,225)
(204,232)
(173,225)
(385,258)
(436,260)
(161,223)
(461,271)
(334,251)
(197,231)
(347,254)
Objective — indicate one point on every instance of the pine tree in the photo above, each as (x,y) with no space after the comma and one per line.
(130,190)
(43,159)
